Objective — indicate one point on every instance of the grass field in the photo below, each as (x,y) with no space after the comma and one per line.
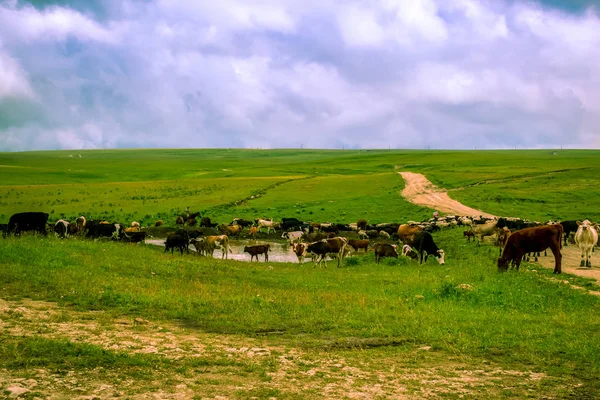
(137,320)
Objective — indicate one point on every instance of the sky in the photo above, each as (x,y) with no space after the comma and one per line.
(439,74)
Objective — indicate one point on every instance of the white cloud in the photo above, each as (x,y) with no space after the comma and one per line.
(14,82)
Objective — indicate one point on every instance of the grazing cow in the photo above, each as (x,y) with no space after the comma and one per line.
(384,234)
(586,238)
(384,250)
(254,251)
(469,234)
(113,231)
(361,224)
(230,230)
(357,244)
(241,222)
(218,242)
(178,240)
(158,223)
(568,227)
(292,237)
(482,230)
(529,240)
(407,251)
(406,233)
(334,248)
(265,223)
(179,220)
(81,222)
(252,232)
(362,234)
(27,221)
(133,237)
(61,228)
(425,246)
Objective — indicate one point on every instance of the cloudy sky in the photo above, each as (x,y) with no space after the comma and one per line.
(291,73)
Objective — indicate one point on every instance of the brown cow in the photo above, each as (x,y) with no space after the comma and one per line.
(361,224)
(384,250)
(217,242)
(254,251)
(230,230)
(357,244)
(252,231)
(132,229)
(300,251)
(469,234)
(406,233)
(158,223)
(530,240)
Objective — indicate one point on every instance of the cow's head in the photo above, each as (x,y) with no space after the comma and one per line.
(584,225)
(502,264)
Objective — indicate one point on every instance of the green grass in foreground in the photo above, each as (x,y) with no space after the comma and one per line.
(521,318)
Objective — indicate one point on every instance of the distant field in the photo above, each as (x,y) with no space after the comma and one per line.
(308,184)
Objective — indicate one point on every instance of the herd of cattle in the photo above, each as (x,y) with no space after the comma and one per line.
(516,238)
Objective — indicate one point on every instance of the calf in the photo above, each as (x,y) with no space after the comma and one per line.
(357,244)
(300,249)
(265,223)
(483,230)
(407,251)
(254,251)
(384,250)
(424,246)
(529,240)
(586,238)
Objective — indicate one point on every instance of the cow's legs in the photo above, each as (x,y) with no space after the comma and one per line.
(557,259)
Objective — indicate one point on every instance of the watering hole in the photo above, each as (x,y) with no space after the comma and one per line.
(280,251)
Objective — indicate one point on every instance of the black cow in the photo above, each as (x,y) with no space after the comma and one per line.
(113,231)
(4,229)
(288,224)
(384,250)
(27,221)
(177,241)
(205,222)
(244,223)
(424,246)
(568,227)
(334,248)
(133,237)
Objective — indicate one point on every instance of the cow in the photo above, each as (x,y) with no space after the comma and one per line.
(230,230)
(195,234)
(133,237)
(132,229)
(586,238)
(255,250)
(529,240)
(357,244)
(291,223)
(407,251)
(96,231)
(178,240)
(362,234)
(27,221)
(503,238)
(568,227)
(81,223)
(425,246)
(241,222)
(329,228)
(158,223)
(61,228)
(469,234)
(73,229)
(252,232)
(206,223)
(265,223)
(334,248)
(179,220)
(199,245)
(292,237)
(483,230)
(406,233)
(300,249)
(191,221)
(315,237)
(361,224)
(135,224)
(218,242)
(382,250)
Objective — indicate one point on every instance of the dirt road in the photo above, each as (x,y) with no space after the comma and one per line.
(419,190)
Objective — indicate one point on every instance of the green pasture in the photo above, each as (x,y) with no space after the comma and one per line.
(342,186)
(519,320)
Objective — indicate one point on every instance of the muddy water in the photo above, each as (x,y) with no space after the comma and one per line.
(280,251)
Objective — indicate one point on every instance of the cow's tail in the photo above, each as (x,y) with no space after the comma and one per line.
(560,236)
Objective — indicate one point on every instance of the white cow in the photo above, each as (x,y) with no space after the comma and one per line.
(265,223)
(293,237)
(586,238)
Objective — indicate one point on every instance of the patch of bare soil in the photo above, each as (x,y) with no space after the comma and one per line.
(419,190)
(571,257)
(291,372)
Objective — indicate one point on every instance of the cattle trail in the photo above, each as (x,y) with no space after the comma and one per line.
(420,191)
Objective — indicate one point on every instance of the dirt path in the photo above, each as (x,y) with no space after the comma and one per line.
(419,190)
(571,256)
